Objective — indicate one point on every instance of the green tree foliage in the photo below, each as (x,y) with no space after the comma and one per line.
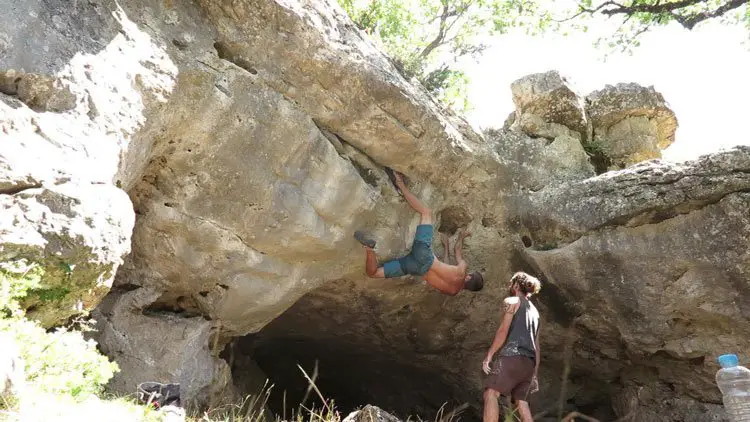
(18,279)
(425,38)
(60,361)
(633,18)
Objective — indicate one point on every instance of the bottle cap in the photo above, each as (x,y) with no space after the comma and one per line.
(728,361)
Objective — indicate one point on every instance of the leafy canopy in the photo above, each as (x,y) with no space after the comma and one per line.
(426,38)
(633,18)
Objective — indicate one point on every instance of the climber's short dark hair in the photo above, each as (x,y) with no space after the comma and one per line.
(475,282)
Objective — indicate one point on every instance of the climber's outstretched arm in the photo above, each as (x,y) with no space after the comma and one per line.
(413,201)
(446,247)
(463,234)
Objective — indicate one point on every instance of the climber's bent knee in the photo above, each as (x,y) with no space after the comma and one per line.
(378,273)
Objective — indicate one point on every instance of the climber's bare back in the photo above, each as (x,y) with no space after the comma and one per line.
(447,278)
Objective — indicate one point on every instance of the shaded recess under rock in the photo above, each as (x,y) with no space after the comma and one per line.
(251,136)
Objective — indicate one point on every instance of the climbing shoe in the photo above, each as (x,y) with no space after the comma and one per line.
(364,239)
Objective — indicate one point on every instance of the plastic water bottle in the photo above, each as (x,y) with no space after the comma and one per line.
(734,382)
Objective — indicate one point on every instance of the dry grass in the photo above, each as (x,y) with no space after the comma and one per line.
(253,409)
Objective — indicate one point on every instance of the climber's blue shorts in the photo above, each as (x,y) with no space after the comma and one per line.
(419,260)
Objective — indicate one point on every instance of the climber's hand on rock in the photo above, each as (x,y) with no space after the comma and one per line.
(399,179)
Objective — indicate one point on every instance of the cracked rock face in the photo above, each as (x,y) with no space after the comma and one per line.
(647,193)
(634,307)
(251,138)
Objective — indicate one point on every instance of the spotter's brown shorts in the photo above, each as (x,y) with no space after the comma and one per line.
(512,375)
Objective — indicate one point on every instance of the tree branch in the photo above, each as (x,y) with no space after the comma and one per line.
(435,43)
(441,32)
(642,30)
(700,17)
(439,39)
(583,10)
(611,8)
(450,26)
(650,8)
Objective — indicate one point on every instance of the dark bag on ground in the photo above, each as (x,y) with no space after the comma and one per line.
(159,394)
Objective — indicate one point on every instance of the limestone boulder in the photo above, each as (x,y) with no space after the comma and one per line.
(370,413)
(631,123)
(79,108)
(655,403)
(266,224)
(655,292)
(548,99)
(75,90)
(535,126)
(536,162)
(634,301)
(644,194)
(349,87)
(241,192)
(251,138)
(169,348)
(78,233)
(542,140)
(673,316)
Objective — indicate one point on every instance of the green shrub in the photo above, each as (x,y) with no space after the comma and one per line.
(50,294)
(598,155)
(59,362)
(17,278)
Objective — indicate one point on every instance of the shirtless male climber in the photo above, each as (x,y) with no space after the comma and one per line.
(421,261)
(514,372)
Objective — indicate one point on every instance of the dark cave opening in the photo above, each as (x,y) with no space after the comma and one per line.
(411,357)
(352,376)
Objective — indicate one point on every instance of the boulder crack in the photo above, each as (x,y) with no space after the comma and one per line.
(220,227)
(367,168)
(416,134)
(649,217)
(657,215)
(227,53)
